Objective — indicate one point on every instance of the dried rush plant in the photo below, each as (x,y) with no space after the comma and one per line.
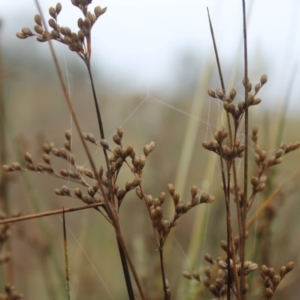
(98,185)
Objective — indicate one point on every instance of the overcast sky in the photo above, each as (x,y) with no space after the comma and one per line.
(141,39)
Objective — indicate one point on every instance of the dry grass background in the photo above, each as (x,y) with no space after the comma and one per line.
(36,113)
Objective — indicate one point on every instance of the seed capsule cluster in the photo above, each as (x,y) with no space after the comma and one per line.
(271,280)
(79,42)
(161,225)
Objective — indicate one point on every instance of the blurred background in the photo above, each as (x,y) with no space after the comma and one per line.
(152,62)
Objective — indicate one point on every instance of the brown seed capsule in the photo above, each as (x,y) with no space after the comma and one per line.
(220,93)
(64,173)
(117,140)
(7,168)
(58,192)
(194,191)
(46,158)
(289,266)
(40,39)
(186,275)
(16,166)
(27,31)
(27,157)
(21,35)
(263,79)
(87,24)
(104,144)
(58,8)
(52,12)
(211,93)
(65,190)
(232,94)
(88,173)
(38,29)
(38,20)
(77,193)
(257,88)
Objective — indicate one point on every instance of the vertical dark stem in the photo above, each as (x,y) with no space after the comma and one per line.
(126,271)
(163,276)
(245,199)
(109,178)
(100,124)
(220,71)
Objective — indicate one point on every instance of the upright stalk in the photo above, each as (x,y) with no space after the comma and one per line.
(245,196)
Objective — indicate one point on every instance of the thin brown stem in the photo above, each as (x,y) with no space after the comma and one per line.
(220,72)
(246,121)
(163,276)
(49,213)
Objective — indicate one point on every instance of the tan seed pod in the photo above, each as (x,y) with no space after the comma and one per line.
(205,145)
(187,275)
(194,191)
(46,148)
(67,145)
(72,159)
(117,140)
(282,271)
(46,158)
(196,275)
(52,12)
(121,194)
(289,266)
(68,40)
(104,144)
(263,79)
(171,189)
(98,11)
(21,35)
(220,93)
(46,35)
(58,8)
(27,31)
(128,185)
(162,197)
(211,93)
(63,153)
(58,192)
(232,94)
(97,199)
(91,191)
(256,101)
(16,166)
(41,39)
(38,29)
(7,168)
(27,157)
(204,197)
(64,173)
(80,23)
(86,199)
(257,88)
(52,23)
(137,182)
(88,173)
(65,190)
(77,193)
(87,24)
(80,36)
(268,293)
(38,20)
